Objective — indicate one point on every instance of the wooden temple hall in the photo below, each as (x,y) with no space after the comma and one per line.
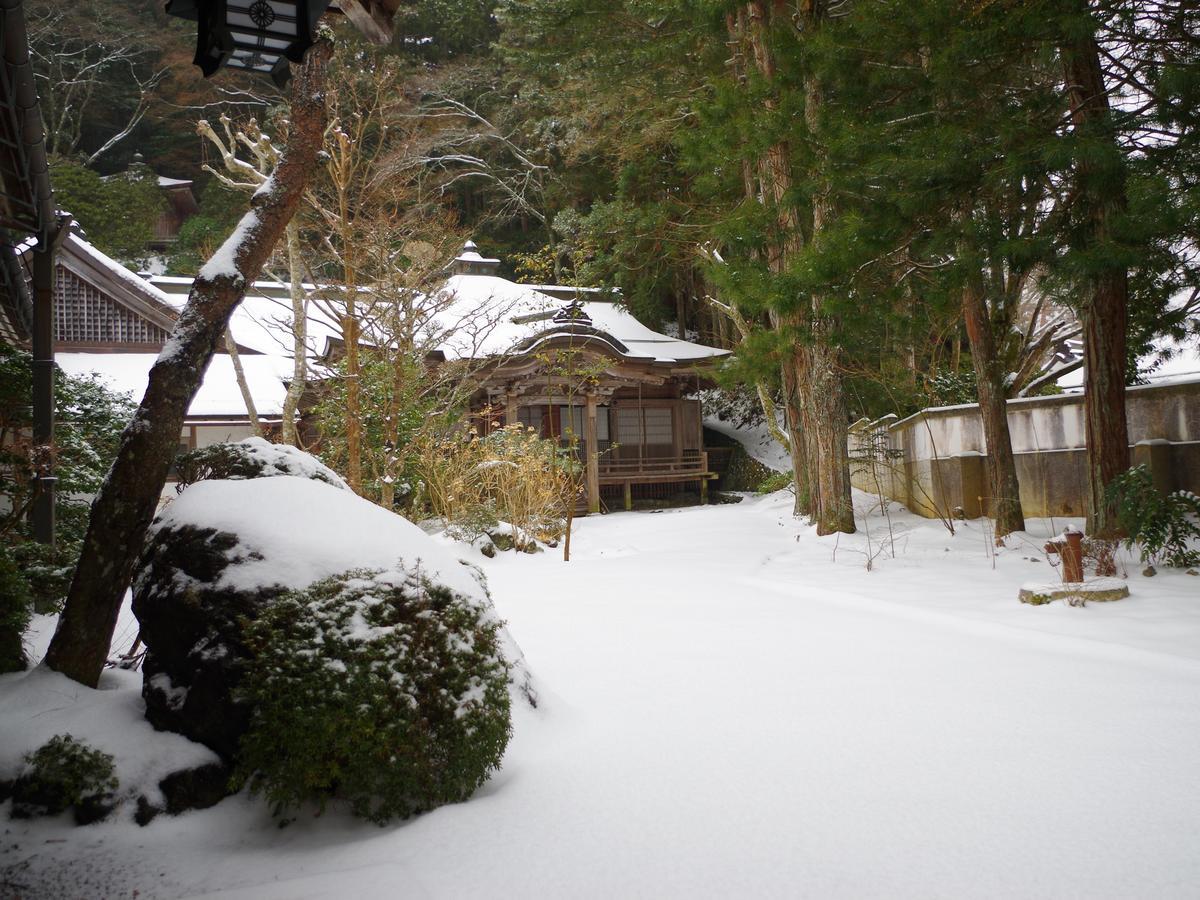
(572,364)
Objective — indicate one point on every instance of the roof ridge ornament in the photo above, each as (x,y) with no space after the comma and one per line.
(573,314)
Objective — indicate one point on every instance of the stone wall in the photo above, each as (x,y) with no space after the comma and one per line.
(933,462)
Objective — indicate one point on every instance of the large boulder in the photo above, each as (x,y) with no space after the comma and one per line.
(223,550)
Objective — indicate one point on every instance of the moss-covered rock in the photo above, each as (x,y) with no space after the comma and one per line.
(192,624)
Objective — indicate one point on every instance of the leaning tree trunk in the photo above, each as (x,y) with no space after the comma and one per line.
(1103,311)
(128,498)
(1004,496)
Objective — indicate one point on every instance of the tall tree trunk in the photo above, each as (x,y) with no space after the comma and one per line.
(1004,498)
(127,500)
(1103,310)
(291,400)
(824,393)
(827,436)
(775,182)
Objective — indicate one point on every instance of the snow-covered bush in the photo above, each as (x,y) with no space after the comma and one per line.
(251,458)
(223,552)
(1162,526)
(510,475)
(736,404)
(65,773)
(382,688)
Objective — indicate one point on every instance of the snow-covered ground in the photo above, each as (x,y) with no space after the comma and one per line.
(733,707)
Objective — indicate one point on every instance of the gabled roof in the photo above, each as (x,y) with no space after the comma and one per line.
(116,281)
(266,369)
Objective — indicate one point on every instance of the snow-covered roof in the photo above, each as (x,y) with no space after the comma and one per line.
(219,395)
(478,315)
(263,320)
(81,251)
(164,181)
(486,315)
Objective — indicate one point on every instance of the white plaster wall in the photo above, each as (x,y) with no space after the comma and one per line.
(207,435)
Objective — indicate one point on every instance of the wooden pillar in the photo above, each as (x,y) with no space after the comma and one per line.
(42,513)
(677,428)
(593,456)
(510,409)
(628,496)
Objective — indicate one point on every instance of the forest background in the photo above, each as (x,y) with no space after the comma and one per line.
(882,205)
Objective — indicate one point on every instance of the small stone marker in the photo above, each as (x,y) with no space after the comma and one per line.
(1073,588)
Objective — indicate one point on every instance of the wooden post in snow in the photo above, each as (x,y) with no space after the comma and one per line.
(593,456)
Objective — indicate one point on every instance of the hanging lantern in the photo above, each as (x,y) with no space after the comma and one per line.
(257,35)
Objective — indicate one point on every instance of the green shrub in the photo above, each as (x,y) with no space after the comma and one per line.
(15,603)
(777,481)
(65,773)
(1161,526)
(87,434)
(48,570)
(380,688)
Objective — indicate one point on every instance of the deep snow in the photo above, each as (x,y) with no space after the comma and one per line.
(733,707)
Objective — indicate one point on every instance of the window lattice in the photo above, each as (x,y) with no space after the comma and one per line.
(658,426)
(83,314)
(629,426)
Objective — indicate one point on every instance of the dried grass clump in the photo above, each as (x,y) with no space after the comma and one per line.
(510,475)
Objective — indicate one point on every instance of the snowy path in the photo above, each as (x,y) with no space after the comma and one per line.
(730,713)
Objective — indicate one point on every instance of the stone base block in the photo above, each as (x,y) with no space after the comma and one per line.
(1076,594)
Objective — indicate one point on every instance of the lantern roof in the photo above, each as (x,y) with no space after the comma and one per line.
(266,36)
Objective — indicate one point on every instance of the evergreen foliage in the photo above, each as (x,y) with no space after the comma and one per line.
(203,233)
(380,688)
(90,418)
(117,213)
(1164,527)
(390,384)
(16,601)
(65,773)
